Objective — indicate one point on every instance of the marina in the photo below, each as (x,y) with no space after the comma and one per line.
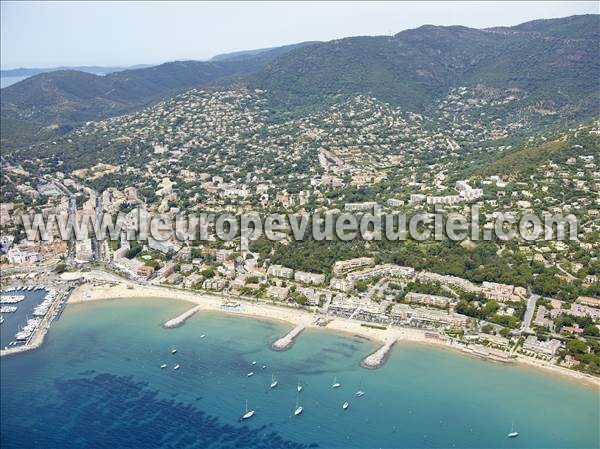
(11,299)
(26,312)
(8,309)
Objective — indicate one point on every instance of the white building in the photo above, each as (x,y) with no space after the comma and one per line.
(309,278)
(548,348)
(280,271)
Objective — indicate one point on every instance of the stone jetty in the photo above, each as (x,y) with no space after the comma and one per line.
(378,358)
(287,340)
(179,320)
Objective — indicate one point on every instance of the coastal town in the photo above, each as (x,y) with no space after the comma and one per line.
(220,152)
(297,225)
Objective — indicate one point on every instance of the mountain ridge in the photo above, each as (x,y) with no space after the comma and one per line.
(555,61)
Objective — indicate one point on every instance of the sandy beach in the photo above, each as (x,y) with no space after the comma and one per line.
(295,317)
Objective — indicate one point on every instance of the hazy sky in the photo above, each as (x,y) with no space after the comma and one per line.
(47,34)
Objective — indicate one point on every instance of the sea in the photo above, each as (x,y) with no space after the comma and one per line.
(97,383)
(6,81)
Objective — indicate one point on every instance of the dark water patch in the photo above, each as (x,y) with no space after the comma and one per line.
(108,411)
(350,345)
(337,353)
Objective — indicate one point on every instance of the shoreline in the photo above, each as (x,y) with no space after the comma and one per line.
(297,317)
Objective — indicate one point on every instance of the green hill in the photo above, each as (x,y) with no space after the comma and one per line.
(555,62)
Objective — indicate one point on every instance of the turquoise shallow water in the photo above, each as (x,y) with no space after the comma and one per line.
(97,383)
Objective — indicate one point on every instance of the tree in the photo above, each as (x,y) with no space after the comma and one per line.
(577,347)
(361,286)
(505,332)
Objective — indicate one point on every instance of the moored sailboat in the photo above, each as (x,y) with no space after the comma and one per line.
(248,413)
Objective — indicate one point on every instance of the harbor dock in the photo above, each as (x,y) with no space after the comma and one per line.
(179,320)
(32,335)
(287,340)
(378,358)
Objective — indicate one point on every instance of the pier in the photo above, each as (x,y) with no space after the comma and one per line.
(287,340)
(179,320)
(378,358)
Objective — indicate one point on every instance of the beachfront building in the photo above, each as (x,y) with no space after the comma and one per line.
(403,314)
(214,284)
(373,312)
(343,306)
(547,348)
(279,293)
(313,295)
(128,266)
(145,271)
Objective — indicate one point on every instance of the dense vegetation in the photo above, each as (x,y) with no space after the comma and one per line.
(553,61)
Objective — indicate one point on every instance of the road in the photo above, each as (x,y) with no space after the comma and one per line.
(529,313)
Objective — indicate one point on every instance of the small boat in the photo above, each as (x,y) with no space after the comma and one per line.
(512,433)
(345,405)
(202,336)
(250,374)
(273,382)
(173,351)
(176,366)
(248,413)
(299,387)
(253,362)
(163,366)
(264,367)
(298,408)
(359,393)
(335,384)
